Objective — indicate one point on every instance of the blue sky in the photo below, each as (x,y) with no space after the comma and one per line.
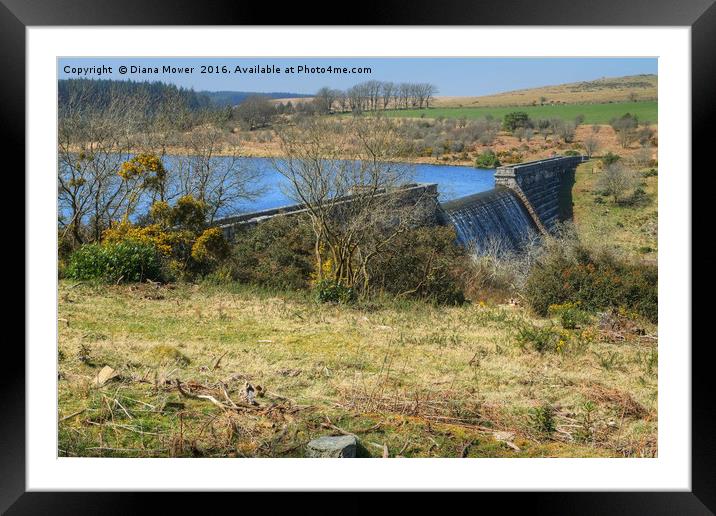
(453,76)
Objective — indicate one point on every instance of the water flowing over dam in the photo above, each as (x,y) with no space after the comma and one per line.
(495,219)
(529,199)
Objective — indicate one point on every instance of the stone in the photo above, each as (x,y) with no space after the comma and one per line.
(105,375)
(342,446)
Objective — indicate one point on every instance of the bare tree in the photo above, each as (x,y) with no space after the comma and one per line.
(616,180)
(347,177)
(92,144)
(405,90)
(213,172)
(387,93)
(357,98)
(591,144)
(427,92)
(325,98)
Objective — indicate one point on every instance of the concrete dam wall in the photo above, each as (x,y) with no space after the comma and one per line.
(544,185)
(529,199)
(423,197)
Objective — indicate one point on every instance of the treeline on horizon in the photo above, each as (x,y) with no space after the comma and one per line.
(98,94)
(373,96)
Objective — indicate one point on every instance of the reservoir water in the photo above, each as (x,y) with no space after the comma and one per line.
(453,182)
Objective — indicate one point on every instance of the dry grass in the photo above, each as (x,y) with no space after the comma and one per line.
(421,380)
(615,89)
(265,144)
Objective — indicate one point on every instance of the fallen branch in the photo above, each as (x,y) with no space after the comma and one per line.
(200,396)
(329,424)
(212,399)
(72,415)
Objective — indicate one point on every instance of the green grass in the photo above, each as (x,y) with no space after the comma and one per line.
(630,229)
(593,113)
(424,381)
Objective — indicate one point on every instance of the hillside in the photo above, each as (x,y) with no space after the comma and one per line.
(608,89)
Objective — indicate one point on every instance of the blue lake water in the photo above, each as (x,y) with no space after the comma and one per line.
(453,182)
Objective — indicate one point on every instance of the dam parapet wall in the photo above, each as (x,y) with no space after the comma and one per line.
(420,197)
(544,186)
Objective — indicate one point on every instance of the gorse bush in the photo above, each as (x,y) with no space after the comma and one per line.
(210,247)
(610,158)
(516,119)
(167,243)
(178,233)
(571,273)
(542,419)
(540,338)
(127,261)
(571,316)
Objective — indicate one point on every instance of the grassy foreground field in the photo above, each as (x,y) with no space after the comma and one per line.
(408,379)
(593,113)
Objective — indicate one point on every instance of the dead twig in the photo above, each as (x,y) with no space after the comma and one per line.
(329,424)
(218,360)
(70,416)
(212,399)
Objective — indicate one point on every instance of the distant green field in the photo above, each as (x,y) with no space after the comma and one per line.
(593,113)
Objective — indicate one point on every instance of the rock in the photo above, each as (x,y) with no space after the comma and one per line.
(342,446)
(106,374)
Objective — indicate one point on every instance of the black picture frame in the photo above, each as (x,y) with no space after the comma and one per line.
(700,15)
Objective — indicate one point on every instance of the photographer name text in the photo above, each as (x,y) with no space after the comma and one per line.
(252,69)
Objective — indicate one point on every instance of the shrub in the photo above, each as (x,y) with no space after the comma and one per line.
(616,180)
(277,253)
(424,263)
(127,261)
(610,158)
(572,273)
(329,291)
(570,315)
(542,419)
(516,119)
(639,196)
(539,338)
(487,159)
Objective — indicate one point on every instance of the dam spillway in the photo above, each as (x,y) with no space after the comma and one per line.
(529,199)
(494,220)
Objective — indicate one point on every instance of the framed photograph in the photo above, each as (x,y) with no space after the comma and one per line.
(460,240)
